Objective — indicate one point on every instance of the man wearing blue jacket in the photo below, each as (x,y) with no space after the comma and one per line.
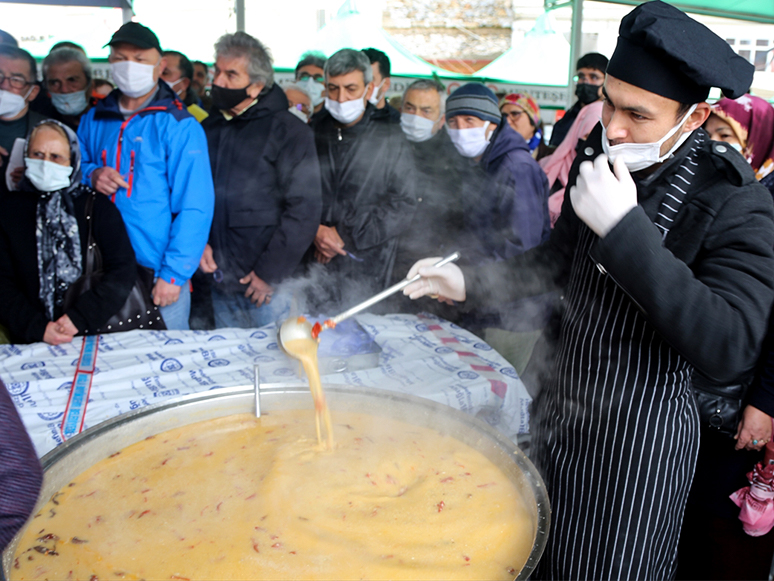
(141,147)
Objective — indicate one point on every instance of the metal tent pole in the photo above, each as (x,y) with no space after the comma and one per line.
(576,40)
(240,15)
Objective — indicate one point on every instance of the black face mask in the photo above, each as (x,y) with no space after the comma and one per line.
(227,99)
(586,93)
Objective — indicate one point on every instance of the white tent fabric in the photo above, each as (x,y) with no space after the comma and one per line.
(351,29)
(541,58)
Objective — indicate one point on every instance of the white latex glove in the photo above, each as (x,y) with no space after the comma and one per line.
(600,198)
(439,282)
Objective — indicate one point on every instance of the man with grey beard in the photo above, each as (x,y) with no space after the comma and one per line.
(267,187)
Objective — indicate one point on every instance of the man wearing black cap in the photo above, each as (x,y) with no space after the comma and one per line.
(666,264)
(141,147)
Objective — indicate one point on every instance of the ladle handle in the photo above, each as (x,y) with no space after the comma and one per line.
(390,291)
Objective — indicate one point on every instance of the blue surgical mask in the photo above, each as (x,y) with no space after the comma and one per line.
(314,89)
(47,176)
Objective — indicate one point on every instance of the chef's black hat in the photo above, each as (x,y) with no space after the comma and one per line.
(664,51)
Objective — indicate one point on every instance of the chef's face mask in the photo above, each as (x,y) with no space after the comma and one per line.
(638,156)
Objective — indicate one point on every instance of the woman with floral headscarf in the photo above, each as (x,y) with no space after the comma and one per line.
(747,125)
(43,242)
(523,115)
(713,544)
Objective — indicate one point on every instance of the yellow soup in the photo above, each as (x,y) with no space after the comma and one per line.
(245,498)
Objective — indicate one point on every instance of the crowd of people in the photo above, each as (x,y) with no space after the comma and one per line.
(622,296)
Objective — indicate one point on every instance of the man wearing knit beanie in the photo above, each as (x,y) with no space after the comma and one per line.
(506,213)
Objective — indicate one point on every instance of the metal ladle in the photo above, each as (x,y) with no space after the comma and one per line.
(299,328)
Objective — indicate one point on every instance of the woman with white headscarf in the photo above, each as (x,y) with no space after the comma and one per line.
(43,242)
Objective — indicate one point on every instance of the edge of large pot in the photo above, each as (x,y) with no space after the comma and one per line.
(67,460)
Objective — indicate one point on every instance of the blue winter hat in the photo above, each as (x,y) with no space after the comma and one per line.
(474,99)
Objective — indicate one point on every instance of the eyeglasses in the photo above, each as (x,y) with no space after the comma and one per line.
(15,81)
(305,76)
(515,114)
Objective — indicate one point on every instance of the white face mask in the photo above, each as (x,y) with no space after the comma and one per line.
(172,85)
(314,89)
(299,113)
(70,103)
(12,104)
(345,112)
(134,79)
(47,176)
(416,128)
(470,142)
(375,96)
(737,146)
(639,156)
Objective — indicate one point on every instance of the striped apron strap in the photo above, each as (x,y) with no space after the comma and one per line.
(678,187)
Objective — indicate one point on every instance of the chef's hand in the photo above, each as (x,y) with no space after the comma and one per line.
(207,264)
(600,198)
(442,282)
(328,242)
(258,291)
(755,425)
(106,181)
(165,293)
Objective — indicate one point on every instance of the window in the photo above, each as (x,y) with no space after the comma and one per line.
(731,41)
(745,54)
(762,42)
(745,42)
(761,57)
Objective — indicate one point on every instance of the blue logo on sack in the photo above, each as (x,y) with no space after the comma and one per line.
(482,346)
(67,385)
(421,328)
(173,342)
(444,350)
(33,365)
(258,335)
(50,416)
(509,372)
(18,387)
(284,372)
(263,359)
(171,365)
(218,362)
(467,375)
(272,346)
(217,338)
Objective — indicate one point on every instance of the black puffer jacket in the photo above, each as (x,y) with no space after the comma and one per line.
(267,190)
(368,194)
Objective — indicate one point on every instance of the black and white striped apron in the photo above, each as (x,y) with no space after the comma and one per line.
(616,434)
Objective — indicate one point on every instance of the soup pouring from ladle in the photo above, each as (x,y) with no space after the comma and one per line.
(299,328)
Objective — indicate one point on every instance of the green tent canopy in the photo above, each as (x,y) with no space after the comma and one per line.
(750,10)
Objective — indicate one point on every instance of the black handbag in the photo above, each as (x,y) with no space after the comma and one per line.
(138,311)
(720,407)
